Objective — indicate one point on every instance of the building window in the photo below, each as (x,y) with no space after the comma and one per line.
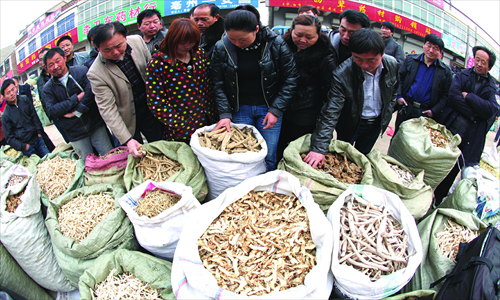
(66,24)
(1,70)
(32,46)
(416,12)
(423,16)
(7,65)
(407,9)
(388,4)
(47,35)
(431,20)
(398,7)
(22,54)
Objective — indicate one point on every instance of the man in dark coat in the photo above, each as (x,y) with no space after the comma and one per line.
(210,23)
(361,99)
(425,82)
(20,122)
(392,47)
(70,98)
(152,30)
(470,112)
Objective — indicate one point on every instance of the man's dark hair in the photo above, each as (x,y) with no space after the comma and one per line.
(241,19)
(365,40)
(355,17)
(51,54)
(388,25)
(107,31)
(308,7)
(492,57)
(63,38)
(7,82)
(17,78)
(214,9)
(42,51)
(91,33)
(434,39)
(146,14)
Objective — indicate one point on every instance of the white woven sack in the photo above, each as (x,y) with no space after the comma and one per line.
(225,170)
(6,169)
(351,282)
(190,279)
(24,235)
(160,234)
(491,155)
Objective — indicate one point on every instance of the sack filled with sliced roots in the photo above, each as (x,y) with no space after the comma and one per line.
(264,237)
(86,223)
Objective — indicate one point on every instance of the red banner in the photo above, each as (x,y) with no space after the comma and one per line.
(374,13)
(32,60)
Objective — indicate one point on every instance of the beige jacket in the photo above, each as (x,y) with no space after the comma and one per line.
(113,91)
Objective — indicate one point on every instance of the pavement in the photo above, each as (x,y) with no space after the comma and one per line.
(382,143)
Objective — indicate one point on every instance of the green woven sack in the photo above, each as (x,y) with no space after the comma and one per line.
(464,198)
(416,196)
(113,232)
(435,265)
(152,270)
(15,279)
(324,187)
(30,162)
(412,147)
(4,156)
(415,295)
(190,174)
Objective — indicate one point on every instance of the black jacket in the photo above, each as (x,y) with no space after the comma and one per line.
(395,50)
(92,56)
(315,66)
(473,116)
(21,124)
(40,82)
(278,80)
(62,100)
(25,90)
(211,36)
(345,102)
(440,84)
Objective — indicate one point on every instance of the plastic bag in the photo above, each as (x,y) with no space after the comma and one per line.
(224,170)
(191,280)
(351,282)
(106,170)
(160,234)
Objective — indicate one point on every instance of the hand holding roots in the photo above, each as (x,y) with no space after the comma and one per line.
(236,141)
(341,168)
(157,167)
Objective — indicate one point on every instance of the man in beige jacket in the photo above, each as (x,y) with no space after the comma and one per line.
(118,81)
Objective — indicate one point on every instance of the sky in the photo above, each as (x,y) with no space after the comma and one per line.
(15,15)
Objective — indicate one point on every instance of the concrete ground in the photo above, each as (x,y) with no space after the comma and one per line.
(382,142)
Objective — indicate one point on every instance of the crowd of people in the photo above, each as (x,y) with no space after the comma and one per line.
(165,84)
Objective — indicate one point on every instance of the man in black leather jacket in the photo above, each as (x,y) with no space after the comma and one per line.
(361,100)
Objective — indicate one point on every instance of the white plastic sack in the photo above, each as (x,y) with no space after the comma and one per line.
(351,282)
(190,279)
(160,234)
(225,170)
(491,155)
(6,169)
(24,235)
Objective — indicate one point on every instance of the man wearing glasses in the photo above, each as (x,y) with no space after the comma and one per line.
(425,82)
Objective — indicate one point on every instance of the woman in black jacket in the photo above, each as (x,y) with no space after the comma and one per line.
(315,59)
(254,77)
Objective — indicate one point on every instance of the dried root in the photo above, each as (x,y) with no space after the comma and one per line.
(12,152)
(157,167)
(486,166)
(259,244)
(55,175)
(437,138)
(155,202)
(79,216)
(124,286)
(113,152)
(237,141)
(405,176)
(371,240)
(15,179)
(451,237)
(13,201)
(341,168)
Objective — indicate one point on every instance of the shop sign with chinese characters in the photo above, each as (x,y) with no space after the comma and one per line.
(374,13)
(44,23)
(181,7)
(32,59)
(126,16)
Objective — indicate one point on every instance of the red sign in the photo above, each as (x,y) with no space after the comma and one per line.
(374,13)
(9,74)
(44,23)
(32,60)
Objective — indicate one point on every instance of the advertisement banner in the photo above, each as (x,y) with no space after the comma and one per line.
(9,74)
(32,59)
(126,16)
(438,3)
(174,7)
(454,45)
(374,13)
(44,23)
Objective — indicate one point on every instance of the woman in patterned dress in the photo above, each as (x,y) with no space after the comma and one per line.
(177,83)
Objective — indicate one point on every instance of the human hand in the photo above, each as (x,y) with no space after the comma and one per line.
(402,101)
(133,147)
(69,115)
(80,96)
(428,112)
(226,122)
(270,119)
(464,94)
(314,158)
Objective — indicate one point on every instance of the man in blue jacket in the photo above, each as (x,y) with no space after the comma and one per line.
(470,112)
(70,99)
